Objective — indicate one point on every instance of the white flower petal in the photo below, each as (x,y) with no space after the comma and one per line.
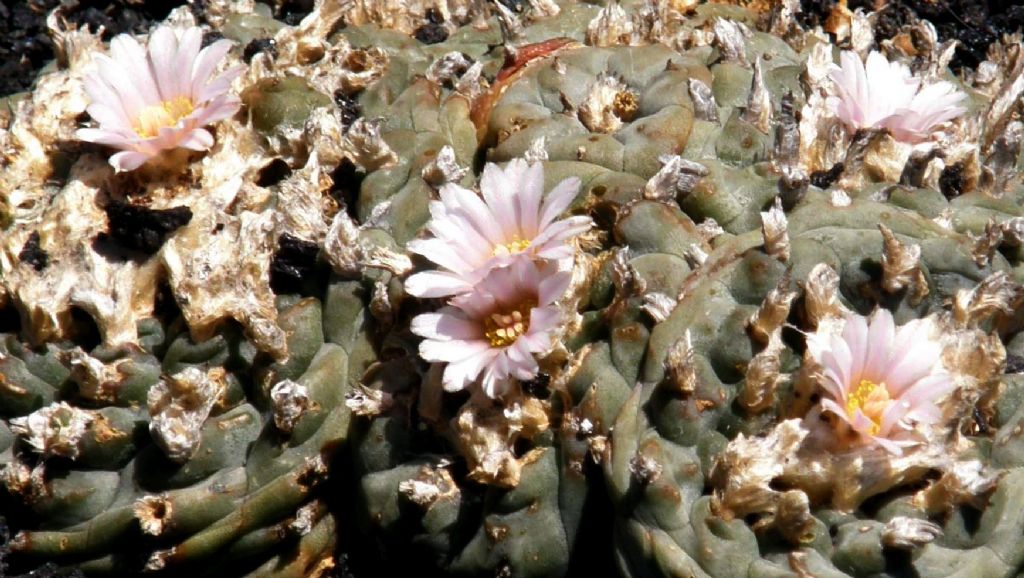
(855,335)
(447,325)
(529,197)
(162,57)
(441,253)
(128,160)
(902,381)
(880,335)
(558,200)
(189,43)
(197,139)
(431,284)
(460,374)
(884,94)
(451,351)
(499,189)
(205,64)
(522,365)
(132,59)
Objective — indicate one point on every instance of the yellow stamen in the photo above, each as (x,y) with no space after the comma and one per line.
(502,329)
(166,114)
(872,399)
(516,245)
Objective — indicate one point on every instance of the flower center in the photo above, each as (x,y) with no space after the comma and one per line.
(502,329)
(166,114)
(872,399)
(516,245)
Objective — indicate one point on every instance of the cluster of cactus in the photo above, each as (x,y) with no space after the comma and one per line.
(206,447)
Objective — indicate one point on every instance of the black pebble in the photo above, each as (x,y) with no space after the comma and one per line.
(259,45)
(33,254)
(211,37)
(294,261)
(538,387)
(433,31)
(951,181)
(141,228)
(350,109)
(346,181)
(199,9)
(273,172)
(1014,364)
(824,179)
(513,5)
(291,12)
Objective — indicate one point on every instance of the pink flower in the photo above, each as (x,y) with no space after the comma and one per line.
(882,380)
(472,236)
(493,333)
(147,101)
(883,94)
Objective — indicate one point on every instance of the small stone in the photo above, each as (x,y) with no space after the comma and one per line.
(952,181)
(349,106)
(433,31)
(824,179)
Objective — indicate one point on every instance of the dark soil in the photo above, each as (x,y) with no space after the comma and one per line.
(25,47)
(975,23)
(48,570)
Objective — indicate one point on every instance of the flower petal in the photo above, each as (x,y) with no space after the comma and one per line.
(128,160)
(447,325)
(451,351)
(431,284)
(558,200)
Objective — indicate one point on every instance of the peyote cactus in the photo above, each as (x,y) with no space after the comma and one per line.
(514,289)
